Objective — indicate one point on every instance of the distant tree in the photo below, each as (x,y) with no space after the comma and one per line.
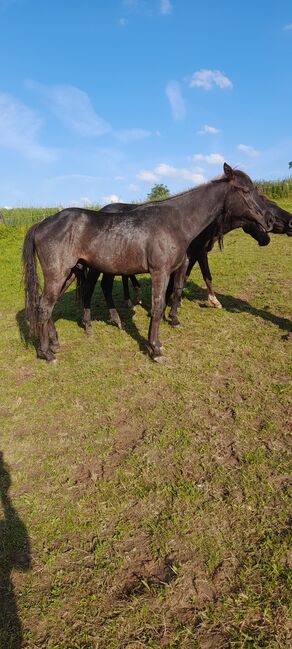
(290,165)
(157,192)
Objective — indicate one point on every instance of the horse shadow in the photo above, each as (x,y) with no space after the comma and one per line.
(236,305)
(68,307)
(14,555)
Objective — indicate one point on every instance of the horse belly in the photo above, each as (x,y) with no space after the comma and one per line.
(117,257)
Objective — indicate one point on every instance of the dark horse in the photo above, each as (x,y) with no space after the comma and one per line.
(201,246)
(152,238)
(198,251)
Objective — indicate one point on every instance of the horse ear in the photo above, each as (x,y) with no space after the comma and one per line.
(228,171)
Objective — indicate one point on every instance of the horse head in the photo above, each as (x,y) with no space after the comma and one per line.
(243,204)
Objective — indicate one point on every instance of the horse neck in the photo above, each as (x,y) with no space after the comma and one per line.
(200,207)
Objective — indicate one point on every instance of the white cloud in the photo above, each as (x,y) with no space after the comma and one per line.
(119,178)
(73,107)
(208,129)
(84,201)
(168,171)
(249,150)
(287,27)
(113,198)
(123,22)
(133,188)
(207,79)
(165,7)
(211,159)
(131,134)
(147,176)
(175,98)
(19,129)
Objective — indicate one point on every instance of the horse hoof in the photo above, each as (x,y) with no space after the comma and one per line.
(55,349)
(160,359)
(53,361)
(175,322)
(88,330)
(212,301)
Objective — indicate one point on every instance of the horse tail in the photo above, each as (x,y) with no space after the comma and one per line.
(31,281)
(81,275)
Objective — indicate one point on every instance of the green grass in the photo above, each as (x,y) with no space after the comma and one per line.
(146,505)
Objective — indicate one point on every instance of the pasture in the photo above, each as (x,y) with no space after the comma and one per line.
(147,505)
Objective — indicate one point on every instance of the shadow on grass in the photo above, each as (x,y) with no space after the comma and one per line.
(14,555)
(69,308)
(236,305)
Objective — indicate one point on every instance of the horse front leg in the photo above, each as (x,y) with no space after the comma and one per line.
(179,279)
(107,289)
(159,284)
(205,270)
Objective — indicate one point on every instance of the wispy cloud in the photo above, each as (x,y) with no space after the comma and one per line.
(211,159)
(19,130)
(73,107)
(131,134)
(76,177)
(165,7)
(249,150)
(133,188)
(175,98)
(169,171)
(207,79)
(208,130)
(123,22)
(287,27)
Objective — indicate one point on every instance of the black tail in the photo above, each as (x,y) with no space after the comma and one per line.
(31,281)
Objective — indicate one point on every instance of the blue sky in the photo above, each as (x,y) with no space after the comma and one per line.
(101,99)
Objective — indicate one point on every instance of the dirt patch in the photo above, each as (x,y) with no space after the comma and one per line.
(129,437)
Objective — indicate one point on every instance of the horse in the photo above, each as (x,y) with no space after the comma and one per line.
(151,238)
(203,244)
(198,252)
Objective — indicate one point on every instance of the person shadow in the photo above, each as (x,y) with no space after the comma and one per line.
(14,555)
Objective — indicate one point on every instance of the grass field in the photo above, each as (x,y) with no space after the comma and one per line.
(147,505)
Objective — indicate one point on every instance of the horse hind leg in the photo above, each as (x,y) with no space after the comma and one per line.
(88,289)
(107,289)
(47,332)
(128,301)
(159,285)
(137,288)
(53,336)
(177,292)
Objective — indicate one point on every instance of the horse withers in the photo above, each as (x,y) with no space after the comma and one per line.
(151,238)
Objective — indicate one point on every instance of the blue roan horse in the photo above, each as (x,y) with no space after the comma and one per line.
(151,238)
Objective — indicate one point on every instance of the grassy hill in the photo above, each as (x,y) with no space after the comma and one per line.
(145,505)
